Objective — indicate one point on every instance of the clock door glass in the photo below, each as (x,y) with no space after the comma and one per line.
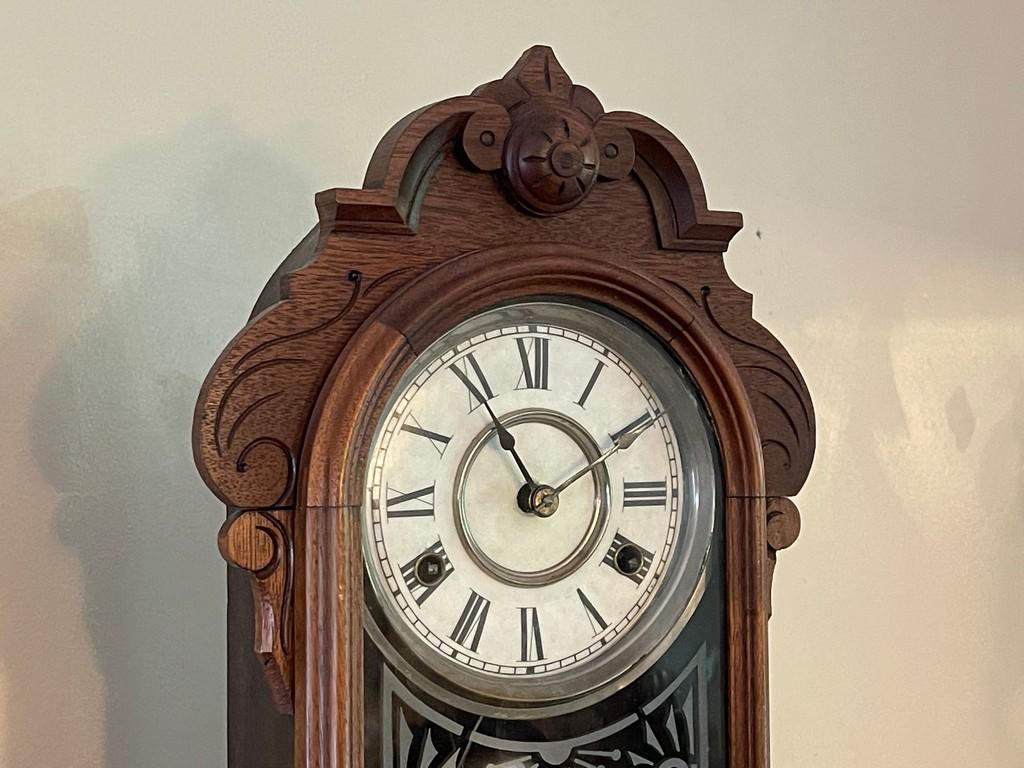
(540,502)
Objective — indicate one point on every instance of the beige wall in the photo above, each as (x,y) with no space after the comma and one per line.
(158,159)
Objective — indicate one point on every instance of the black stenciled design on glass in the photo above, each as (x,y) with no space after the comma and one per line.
(669,731)
(426,747)
(667,740)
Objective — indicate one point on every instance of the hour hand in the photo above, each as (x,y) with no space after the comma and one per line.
(508,442)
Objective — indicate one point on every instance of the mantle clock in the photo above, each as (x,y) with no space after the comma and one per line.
(506,459)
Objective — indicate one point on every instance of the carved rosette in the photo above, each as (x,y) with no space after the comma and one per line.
(557,145)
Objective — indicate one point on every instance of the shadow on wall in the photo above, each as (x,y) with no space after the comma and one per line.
(117,660)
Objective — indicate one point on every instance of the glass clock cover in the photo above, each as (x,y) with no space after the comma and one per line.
(539,508)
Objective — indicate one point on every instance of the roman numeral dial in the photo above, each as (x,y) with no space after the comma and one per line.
(525,500)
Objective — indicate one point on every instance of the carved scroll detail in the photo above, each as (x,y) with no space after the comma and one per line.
(783,524)
(777,392)
(259,541)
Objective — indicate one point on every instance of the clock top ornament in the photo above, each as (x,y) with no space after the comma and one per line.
(525,188)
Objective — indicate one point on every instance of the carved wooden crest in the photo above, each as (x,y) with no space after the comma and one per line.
(531,159)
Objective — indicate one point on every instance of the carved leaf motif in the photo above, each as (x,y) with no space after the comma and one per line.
(777,392)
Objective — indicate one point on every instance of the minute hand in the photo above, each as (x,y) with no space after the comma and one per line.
(621,443)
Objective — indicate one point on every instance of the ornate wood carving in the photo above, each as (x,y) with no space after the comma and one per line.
(528,167)
(260,542)
(783,527)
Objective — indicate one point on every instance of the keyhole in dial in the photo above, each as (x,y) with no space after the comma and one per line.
(629,559)
(430,569)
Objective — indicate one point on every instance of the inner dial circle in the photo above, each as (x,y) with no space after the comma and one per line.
(486,514)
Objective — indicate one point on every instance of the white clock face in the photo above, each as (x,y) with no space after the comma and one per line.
(531,499)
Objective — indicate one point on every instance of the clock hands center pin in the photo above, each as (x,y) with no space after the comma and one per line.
(532,497)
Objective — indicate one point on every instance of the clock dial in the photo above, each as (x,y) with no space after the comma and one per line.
(540,499)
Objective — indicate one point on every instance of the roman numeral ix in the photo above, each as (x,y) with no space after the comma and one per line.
(644,494)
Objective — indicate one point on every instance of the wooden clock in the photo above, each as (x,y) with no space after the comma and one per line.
(506,458)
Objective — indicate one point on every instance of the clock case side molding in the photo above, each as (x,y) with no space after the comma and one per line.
(525,187)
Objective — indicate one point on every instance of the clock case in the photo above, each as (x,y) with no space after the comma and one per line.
(524,188)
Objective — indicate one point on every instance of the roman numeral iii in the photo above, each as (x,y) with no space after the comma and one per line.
(644,494)
(470,625)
